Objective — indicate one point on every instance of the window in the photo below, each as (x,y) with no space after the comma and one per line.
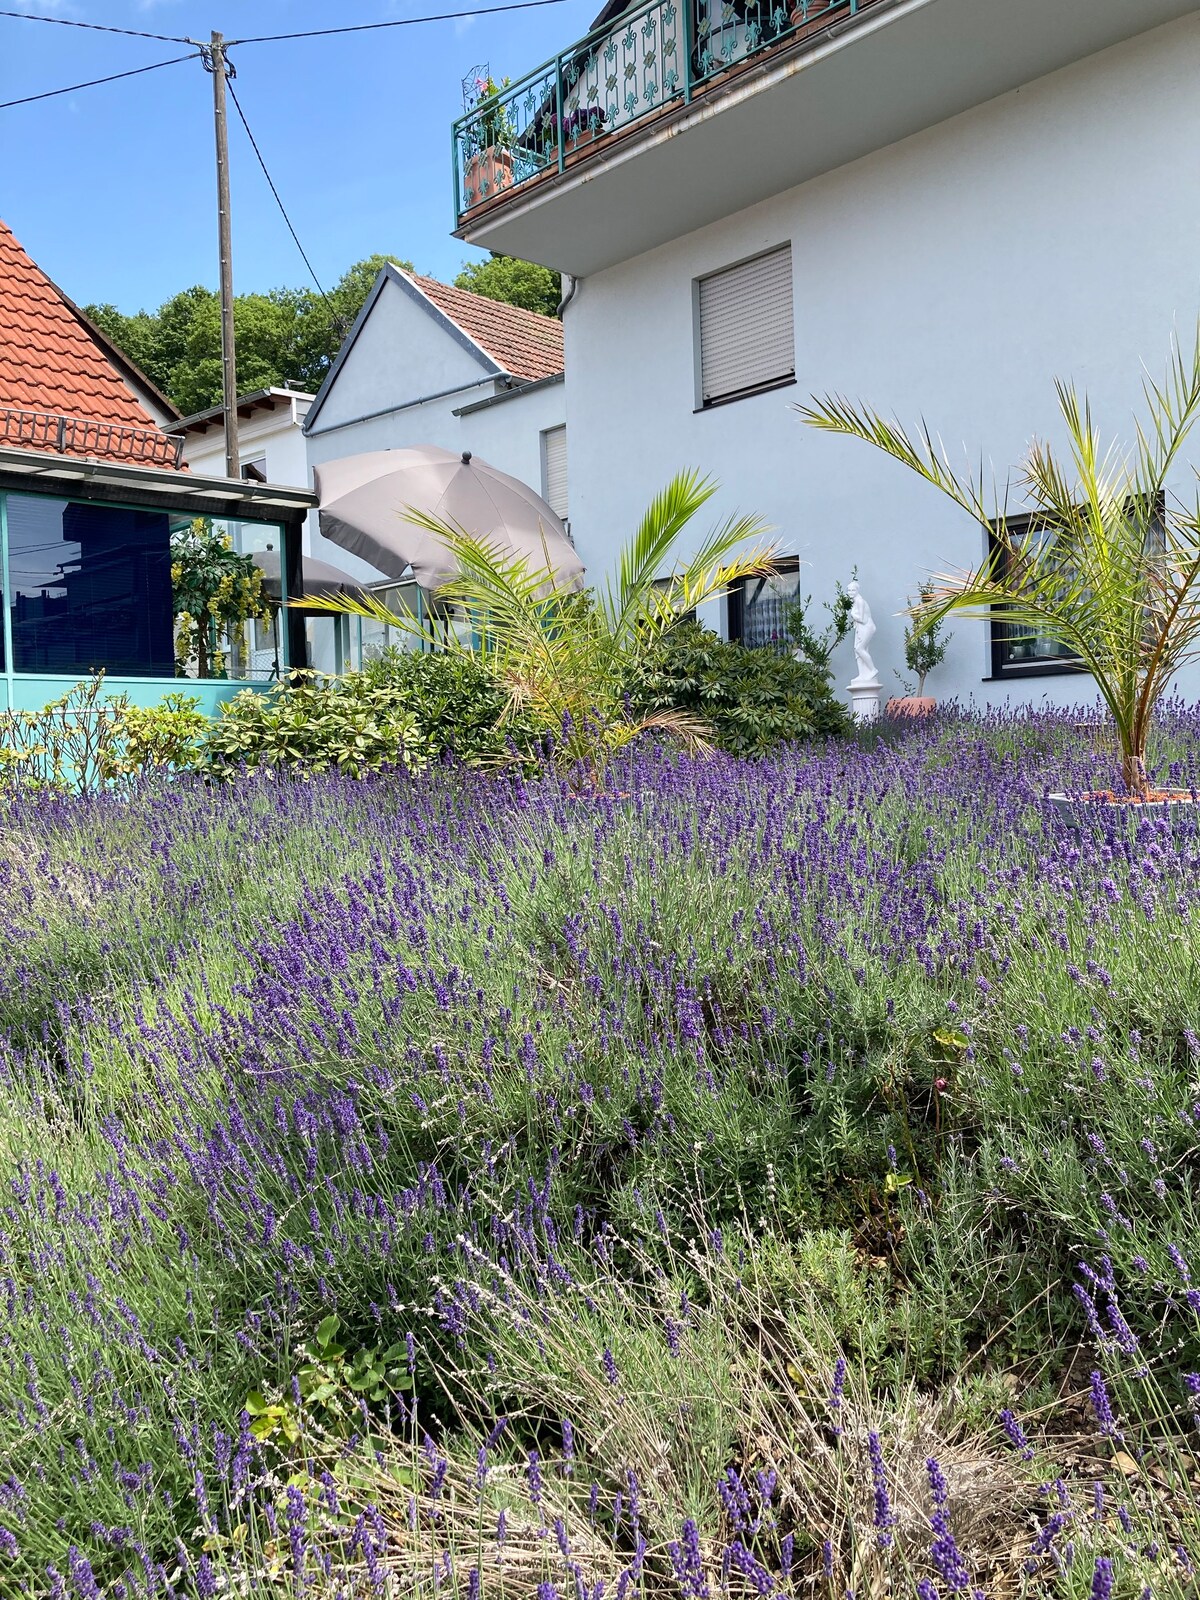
(1020,650)
(91,587)
(758,607)
(554,470)
(746,332)
(255,471)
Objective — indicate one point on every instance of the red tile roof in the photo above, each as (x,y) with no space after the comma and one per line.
(525,343)
(52,361)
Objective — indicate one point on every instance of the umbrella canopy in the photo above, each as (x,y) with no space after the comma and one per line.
(364,500)
(321,579)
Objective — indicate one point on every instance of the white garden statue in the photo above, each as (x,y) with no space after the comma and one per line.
(865,688)
(864,632)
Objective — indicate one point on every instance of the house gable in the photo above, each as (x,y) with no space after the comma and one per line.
(400,351)
(416,339)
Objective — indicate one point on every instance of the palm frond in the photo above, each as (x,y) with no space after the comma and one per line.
(1103,566)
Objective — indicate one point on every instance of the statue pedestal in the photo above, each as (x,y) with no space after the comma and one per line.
(865,698)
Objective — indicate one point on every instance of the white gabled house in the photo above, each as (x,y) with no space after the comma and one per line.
(935,206)
(428,364)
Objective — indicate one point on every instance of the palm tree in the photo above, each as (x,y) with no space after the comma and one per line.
(564,653)
(1106,565)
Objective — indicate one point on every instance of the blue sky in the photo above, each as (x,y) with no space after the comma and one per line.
(112,189)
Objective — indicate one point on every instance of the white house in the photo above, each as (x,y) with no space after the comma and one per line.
(428,364)
(935,206)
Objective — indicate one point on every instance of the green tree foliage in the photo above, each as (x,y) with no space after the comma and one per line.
(517,283)
(283,336)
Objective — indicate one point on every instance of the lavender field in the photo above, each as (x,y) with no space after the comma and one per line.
(761,1178)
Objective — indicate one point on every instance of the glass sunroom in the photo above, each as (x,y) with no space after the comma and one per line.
(85,576)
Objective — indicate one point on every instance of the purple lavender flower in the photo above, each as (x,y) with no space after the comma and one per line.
(1102,1407)
(687,1563)
(1102,1579)
(1016,1434)
(884,1517)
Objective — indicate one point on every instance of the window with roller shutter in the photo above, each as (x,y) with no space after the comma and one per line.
(747,333)
(554,470)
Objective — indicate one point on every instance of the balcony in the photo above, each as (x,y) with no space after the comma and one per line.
(674,113)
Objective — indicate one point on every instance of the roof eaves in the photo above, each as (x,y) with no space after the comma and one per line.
(386,272)
(446,321)
(253,401)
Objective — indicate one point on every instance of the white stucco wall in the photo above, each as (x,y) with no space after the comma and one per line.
(952,277)
(276,435)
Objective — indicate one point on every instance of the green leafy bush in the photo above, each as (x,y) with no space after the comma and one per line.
(346,723)
(406,709)
(459,705)
(752,699)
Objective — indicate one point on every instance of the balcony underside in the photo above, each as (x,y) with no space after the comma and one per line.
(790,115)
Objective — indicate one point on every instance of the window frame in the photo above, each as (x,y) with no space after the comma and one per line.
(783,380)
(186,507)
(735,600)
(1003,668)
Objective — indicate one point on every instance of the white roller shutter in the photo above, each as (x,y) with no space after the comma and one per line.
(554,469)
(747,337)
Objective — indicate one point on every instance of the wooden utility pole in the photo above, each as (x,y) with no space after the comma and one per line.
(218,67)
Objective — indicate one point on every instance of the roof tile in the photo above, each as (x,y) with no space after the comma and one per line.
(51,362)
(524,343)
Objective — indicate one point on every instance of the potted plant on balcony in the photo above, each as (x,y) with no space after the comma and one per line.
(579,127)
(489,143)
(1107,567)
(924,649)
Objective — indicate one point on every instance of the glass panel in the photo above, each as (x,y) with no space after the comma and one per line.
(764,608)
(91,588)
(1022,644)
(326,651)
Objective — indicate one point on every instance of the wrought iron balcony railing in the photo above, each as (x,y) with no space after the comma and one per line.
(655,55)
(84,436)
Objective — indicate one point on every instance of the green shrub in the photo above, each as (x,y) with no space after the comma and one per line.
(87,740)
(458,704)
(346,723)
(405,709)
(753,699)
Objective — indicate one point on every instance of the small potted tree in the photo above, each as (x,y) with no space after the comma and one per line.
(1107,566)
(924,649)
(489,143)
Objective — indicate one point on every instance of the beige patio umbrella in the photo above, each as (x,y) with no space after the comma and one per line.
(364,500)
(321,578)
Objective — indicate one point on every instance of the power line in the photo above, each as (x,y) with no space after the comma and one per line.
(271,184)
(96,27)
(48,94)
(397,22)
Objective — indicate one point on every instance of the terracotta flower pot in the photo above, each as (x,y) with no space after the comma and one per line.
(488,172)
(911,705)
(816,16)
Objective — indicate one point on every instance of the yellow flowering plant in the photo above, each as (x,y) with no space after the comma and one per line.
(216,592)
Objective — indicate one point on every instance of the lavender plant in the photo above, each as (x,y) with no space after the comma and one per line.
(430,1186)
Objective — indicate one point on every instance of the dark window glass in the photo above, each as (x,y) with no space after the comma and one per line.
(91,588)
